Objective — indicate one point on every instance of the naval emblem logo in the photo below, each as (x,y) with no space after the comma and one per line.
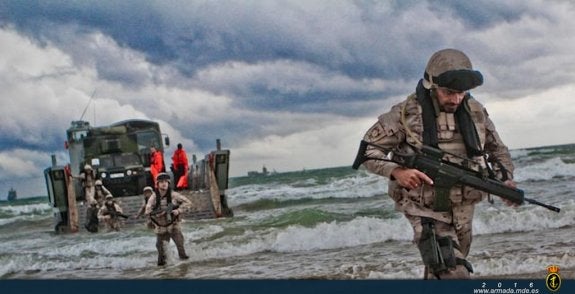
(553,279)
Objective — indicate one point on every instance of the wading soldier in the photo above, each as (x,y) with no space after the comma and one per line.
(110,214)
(165,208)
(148,192)
(441,113)
(100,193)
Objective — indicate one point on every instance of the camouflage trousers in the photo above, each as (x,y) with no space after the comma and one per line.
(163,239)
(459,231)
(112,224)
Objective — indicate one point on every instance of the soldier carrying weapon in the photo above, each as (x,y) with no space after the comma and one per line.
(441,114)
(110,214)
(165,208)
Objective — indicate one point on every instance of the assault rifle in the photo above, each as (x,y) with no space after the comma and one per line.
(445,174)
(114,214)
(167,212)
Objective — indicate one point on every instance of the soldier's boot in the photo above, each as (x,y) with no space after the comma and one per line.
(459,273)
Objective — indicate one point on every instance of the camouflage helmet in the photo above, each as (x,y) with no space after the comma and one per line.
(98,183)
(163,176)
(451,68)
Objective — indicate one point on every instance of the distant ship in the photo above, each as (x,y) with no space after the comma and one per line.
(12,195)
(263,173)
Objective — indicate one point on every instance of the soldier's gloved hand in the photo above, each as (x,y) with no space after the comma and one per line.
(175,212)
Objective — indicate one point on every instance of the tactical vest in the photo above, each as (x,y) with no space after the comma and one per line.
(162,202)
(448,132)
(449,139)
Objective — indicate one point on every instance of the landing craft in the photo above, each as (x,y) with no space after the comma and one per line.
(120,157)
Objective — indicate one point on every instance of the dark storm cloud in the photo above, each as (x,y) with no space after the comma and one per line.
(295,55)
(260,75)
(388,40)
(350,37)
(198,33)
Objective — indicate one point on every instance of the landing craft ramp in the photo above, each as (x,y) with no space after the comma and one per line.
(202,208)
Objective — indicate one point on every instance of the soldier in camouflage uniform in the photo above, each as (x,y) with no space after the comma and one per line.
(88,178)
(110,213)
(167,221)
(441,113)
(148,192)
(100,193)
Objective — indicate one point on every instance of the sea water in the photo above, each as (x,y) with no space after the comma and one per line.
(333,223)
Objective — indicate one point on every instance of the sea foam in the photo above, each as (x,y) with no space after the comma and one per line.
(554,167)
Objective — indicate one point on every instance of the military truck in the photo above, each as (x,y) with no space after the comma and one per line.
(119,154)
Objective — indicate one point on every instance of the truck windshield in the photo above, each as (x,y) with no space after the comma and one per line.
(127,159)
(147,139)
(120,160)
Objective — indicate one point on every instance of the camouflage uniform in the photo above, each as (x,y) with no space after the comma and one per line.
(105,214)
(88,182)
(456,222)
(100,193)
(148,192)
(165,230)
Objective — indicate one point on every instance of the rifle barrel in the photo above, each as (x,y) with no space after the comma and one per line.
(550,207)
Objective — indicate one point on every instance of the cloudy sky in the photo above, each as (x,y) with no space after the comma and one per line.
(286,84)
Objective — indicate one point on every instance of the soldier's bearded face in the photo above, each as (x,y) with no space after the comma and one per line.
(448,99)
